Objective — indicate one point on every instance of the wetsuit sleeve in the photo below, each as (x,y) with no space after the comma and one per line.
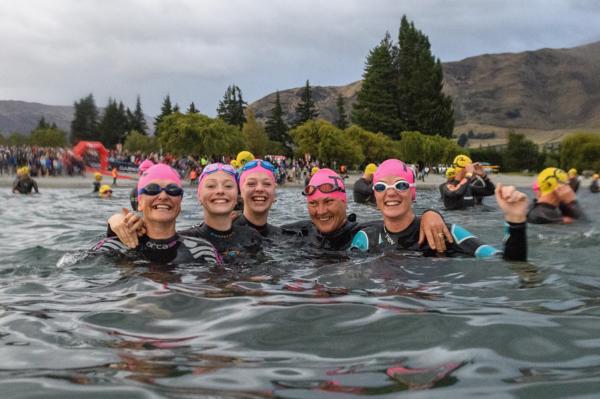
(193,231)
(15,186)
(485,191)
(572,210)
(360,242)
(515,241)
(35,186)
(541,214)
(110,245)
(468,243)
(456,193)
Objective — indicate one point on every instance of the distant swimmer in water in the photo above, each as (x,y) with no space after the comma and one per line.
(574,180)
(144,165)
(394,186)
(313,170)
(217,193)
(363,187)
(469,185)
(595,186)
(160,195)
(105,191)
(97,182)
(23,183)
(557,202)
(257,188)
(329,227)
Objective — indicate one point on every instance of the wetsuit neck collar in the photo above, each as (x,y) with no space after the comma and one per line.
(219,233)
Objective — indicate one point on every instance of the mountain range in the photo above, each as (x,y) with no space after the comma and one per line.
(544,93)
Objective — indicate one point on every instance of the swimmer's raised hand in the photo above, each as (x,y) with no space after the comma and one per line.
(513,203)
(127,226)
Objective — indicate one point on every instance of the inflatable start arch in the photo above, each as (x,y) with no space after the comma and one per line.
(83,147)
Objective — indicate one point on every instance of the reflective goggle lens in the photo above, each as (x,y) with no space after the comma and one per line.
(400,185)
(172,190)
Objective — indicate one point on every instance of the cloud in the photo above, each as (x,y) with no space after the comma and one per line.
(56,52)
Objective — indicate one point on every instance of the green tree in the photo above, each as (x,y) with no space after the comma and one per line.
(136,119)
(137,141)
(48,137)
(277,130)
(578,150)
(85,121)
(306,109)
(17,139)
(422,106)
(113,126)
(232,107)
(376,147)
(342,120)
(255,135)
(520,154)
(376,104)
(192,109)
(165,110)
(42,124)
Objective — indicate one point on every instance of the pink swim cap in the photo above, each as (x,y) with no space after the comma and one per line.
(327,176)
(214,168)
(394,167)
(536,187)
(144,166)
(256,165)
(159,171)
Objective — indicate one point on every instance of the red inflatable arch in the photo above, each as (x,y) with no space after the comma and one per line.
(84,146)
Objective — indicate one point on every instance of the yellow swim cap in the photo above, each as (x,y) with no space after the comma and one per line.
(572,172)
(550,178)
(450,173)
(371,168)
(104,189)
(595,176)
(243,157)
(460,161)
(234,163)
(98,176)
(314,170)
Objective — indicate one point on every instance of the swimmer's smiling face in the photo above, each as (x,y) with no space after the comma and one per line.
(327,214)
(392,203)
(218,193)
(161,208)
(258,192)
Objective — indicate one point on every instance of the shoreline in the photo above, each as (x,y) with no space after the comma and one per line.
(432,181)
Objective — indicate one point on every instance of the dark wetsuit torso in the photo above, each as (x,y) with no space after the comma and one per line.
(97,185)
(574,183)
(595,186)
(465,196)
(544,213)
(376,238)
(267,230)
(25,185)
(363,192)
(230,244)
(336,241)
(175,250)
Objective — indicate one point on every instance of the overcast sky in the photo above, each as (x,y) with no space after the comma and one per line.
(57,51)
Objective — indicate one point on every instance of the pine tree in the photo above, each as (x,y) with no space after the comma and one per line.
(422,106)
(276,128)
(165,110)
(232,107)
(136,120)
(42,124)
(192,109)
(85,121)
(341,121)
(176,108)
(306,109)
(113,126)
(376,104)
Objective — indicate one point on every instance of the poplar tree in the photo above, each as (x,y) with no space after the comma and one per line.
(341,121)
(306,109)
(276,128)
(84,125)
(232,107)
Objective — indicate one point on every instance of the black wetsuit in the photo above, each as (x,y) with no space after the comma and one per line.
(230,244)
(175,250)
(267,230)
(574,183)
(24,185)
(97,185)
(544,213)
(595,186)
(336,241)
(133,199)
(363,192)
(376,238)
(466,195)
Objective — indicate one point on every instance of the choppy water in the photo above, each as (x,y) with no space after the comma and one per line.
(380,326)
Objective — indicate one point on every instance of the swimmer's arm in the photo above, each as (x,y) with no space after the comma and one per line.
(35,187)
(571,210)
(487,190)
(127,226)
(515,241)
(458,190)
(433,229)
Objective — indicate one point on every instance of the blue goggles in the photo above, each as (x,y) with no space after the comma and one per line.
(258,162)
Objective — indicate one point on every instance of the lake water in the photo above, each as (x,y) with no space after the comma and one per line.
(293,326)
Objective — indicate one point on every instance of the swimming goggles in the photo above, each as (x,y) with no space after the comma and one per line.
(152,189)
(325,188)
(217,166)
(400,185)
(258,162)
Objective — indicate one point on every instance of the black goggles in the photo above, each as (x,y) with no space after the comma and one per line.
(172,190)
